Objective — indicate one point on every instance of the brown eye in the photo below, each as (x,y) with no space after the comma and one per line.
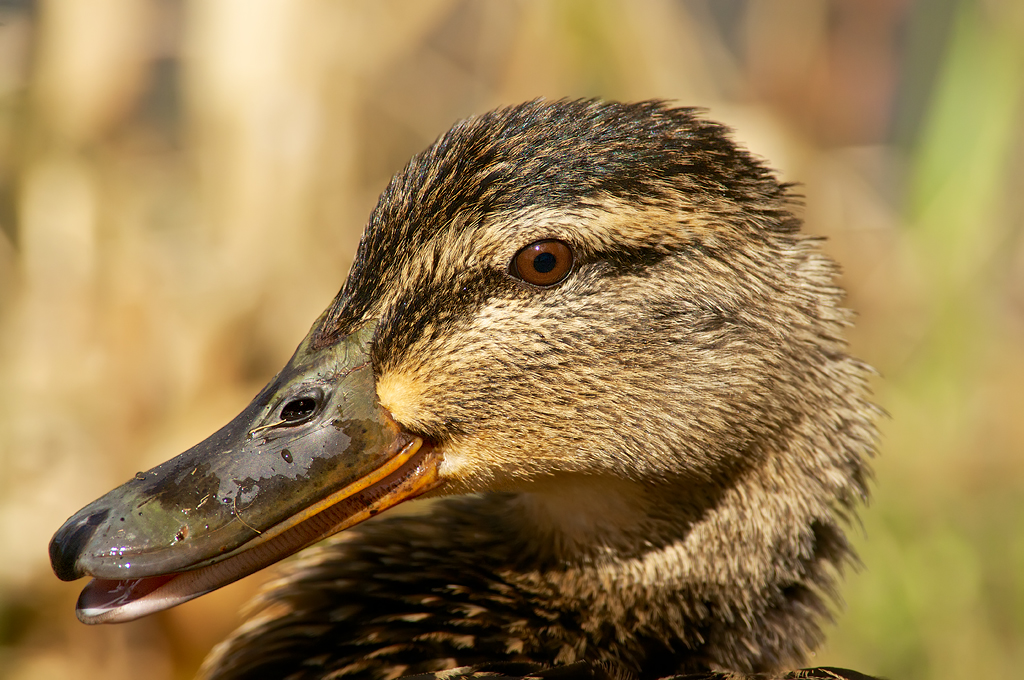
(543,263)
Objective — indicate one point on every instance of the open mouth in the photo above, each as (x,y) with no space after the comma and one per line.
(410,473)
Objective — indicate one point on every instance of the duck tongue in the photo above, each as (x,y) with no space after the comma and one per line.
(102,595)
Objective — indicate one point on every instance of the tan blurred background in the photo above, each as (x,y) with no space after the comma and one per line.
(182,185)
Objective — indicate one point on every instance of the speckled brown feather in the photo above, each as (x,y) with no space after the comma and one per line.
(667,442)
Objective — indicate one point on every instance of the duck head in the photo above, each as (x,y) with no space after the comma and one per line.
(554,295)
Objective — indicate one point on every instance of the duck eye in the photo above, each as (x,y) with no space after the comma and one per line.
(543,263)
(298,409)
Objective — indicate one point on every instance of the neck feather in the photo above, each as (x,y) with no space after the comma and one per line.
(740,576)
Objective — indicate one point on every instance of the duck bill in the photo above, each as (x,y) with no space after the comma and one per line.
(313,454)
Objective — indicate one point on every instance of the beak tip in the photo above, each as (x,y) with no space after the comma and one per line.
(68,544)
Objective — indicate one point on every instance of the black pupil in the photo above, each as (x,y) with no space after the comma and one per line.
(297,409)
(544,263)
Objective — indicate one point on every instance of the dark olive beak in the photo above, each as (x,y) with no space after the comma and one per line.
(314,453)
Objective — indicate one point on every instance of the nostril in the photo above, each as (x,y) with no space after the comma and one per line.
(298,409)
(70,540)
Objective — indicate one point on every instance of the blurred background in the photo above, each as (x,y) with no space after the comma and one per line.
(182,185)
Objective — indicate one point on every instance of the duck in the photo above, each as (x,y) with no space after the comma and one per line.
(594,334)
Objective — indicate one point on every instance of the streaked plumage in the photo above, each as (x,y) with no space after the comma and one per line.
(665,444)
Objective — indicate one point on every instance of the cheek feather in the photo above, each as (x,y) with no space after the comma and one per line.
(403,395)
